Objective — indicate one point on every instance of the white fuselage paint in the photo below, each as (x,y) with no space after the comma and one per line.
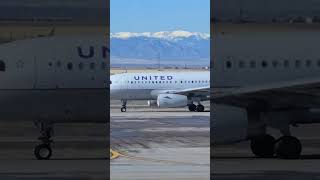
(253,55)
(58,79)
(147,86)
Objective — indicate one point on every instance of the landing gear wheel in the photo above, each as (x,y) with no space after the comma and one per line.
(43,152)
(288,147)
(200,108)
(263,146)
(123,109)
(192,107)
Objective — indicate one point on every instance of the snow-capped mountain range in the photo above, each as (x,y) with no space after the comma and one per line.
(168,46)
(167,35)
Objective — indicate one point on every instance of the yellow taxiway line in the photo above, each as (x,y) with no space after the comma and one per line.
(115,154)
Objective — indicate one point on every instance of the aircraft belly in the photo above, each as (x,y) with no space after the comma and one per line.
(63,105)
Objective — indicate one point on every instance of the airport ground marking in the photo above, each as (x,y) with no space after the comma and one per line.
(116,154)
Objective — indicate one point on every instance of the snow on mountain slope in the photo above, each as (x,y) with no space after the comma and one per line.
(168,35)
(165,45)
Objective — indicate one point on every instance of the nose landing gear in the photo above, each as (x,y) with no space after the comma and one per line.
(43,151)
(124,106)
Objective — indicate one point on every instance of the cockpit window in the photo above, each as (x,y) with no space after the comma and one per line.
(2,66)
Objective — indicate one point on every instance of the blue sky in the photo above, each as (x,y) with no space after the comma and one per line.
(159,15)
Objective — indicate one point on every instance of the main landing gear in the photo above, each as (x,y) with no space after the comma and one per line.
(124,105)
(198,108)
(286,147)
(43,151)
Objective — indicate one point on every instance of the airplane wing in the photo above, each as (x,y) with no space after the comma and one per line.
(203,92)
(299,93)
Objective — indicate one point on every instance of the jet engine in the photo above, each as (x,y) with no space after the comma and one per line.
(228,124)
(152,103)
(172,100)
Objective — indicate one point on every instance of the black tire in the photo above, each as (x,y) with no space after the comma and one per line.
(43,152)
(123,109)
(192,107)
(200,108)
(288,147)
(263,146)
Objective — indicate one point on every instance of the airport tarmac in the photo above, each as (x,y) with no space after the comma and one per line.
(231,162)
(79,152)
(159,144)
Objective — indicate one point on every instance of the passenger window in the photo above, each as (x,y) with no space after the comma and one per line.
(2,66)
(58,64)
(228,64)
(286,63)
(308,62)
(298,63)
(69,66)
(264,64)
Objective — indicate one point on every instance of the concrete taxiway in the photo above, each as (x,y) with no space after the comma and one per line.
(236,161)
(152,143)
(79,152)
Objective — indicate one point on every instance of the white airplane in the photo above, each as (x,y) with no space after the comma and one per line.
(162,89)
(54,80)
(264,77)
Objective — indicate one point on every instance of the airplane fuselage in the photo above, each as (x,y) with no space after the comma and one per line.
(147,86)
(47,79)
